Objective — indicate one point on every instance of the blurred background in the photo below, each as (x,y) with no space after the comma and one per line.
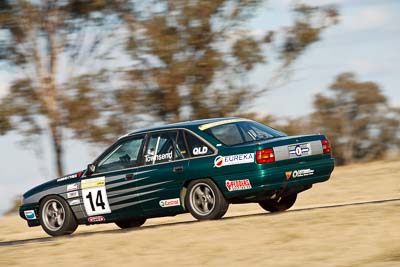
(75,75)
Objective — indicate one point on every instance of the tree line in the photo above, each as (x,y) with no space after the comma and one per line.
(356,117)
(92,70)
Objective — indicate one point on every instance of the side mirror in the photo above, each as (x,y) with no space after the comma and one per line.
(91,168)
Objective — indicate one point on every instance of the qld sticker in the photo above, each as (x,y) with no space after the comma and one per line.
(200,150)
(30,214)
(170,202)
(233,160)
(238,185)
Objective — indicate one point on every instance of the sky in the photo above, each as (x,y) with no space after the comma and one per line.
(366,42)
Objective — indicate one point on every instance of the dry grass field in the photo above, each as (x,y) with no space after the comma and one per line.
(334,224)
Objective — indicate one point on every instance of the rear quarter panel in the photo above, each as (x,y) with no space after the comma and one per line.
(251,177)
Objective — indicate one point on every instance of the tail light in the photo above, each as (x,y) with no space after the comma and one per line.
(265,156)
(326,147)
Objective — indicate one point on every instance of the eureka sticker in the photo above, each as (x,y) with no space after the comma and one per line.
(233,160)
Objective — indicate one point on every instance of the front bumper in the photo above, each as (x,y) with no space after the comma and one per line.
(30,213)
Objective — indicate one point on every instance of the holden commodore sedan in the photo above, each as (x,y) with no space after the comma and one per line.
(198,166)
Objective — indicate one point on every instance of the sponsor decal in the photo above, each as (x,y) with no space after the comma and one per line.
(72,187)
(150,158)
(219,160)
(96,219)
(74,202)
(71,176)
(73,194)
(93,182)
(233,160)
(170,202)
(200,150)
(299,150)
(94,196)
(238,185)
(30,214)
(299,173)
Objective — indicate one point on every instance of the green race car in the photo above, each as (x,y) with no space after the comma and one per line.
(198,166)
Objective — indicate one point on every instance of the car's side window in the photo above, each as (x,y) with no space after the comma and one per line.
(165,147)
(124,156)
(181,151)
(251,132)
(228,134)
(160,148)
(196,146)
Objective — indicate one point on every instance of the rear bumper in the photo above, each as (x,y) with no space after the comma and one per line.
(279,176)
(282,177)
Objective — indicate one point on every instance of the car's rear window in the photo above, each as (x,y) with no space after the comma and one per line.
(242,132)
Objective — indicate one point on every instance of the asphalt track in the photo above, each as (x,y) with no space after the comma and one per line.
(119,231)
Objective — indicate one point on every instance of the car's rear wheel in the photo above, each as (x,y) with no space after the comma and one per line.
(132,223)
(279,204)
(205,201)
(56,217)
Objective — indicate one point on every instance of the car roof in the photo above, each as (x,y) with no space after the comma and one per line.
(184,124)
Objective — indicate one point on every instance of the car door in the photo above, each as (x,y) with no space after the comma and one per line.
(163,173)
(202,156)
(110,190)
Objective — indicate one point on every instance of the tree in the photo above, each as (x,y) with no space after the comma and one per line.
(193,58)
(47,45)
(187,59)
(357,119)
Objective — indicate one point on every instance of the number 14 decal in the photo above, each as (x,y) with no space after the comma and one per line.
(99,200)
(95,196)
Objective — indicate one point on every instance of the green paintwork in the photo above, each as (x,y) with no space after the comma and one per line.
(154,183)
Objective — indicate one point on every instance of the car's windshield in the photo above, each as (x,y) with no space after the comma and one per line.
(242,132)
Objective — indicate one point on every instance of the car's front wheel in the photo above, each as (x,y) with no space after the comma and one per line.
(279,204)
(56,217)
(205,201)
(132,223)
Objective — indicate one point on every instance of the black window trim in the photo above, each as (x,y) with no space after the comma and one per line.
(147,146)
(114,146)
(145,141)
(202,140)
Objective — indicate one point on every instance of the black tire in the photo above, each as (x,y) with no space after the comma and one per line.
(56,217)
(132,223)
(205,201)
(279,204)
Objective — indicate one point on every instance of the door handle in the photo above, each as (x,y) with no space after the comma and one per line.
(129,176)
(178,169)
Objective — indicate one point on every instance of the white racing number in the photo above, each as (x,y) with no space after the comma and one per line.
(95,196)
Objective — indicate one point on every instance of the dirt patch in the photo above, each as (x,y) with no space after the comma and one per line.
(350,235)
